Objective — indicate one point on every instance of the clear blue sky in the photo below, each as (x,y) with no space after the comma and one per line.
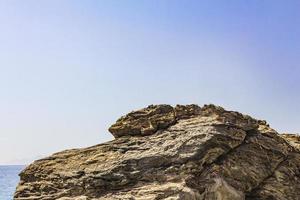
(69,69)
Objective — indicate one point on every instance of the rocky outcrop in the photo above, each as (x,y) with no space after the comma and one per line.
(151,119)
(293,139)
(165,152)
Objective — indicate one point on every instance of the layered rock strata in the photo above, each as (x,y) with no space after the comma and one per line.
(164,152)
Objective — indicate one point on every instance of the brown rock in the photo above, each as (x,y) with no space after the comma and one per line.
(151,119)
(161,152)
(145,121)
(293,139)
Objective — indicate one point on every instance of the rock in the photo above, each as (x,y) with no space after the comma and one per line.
(181,152)
(151,119)
(144,122)
(293,139)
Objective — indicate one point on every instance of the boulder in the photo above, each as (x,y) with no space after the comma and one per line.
(173,153)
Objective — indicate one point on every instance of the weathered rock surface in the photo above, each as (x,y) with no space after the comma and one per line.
(165,152)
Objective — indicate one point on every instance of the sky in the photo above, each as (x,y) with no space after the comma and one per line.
(69,69)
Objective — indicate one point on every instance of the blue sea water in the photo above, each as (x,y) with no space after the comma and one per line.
(8,180)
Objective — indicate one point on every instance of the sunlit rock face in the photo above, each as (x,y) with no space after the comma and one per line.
(175,153)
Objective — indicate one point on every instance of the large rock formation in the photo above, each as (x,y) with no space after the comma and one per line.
(182,152)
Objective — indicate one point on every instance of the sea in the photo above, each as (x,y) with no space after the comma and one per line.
(8,180)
